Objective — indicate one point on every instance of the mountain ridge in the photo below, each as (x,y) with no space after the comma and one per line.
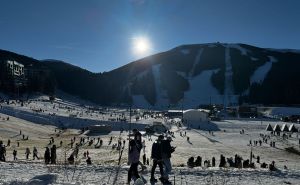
(187,75)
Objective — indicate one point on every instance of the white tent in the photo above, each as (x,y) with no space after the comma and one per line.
(284,128)
(292,128)
(269,128)
(276,128)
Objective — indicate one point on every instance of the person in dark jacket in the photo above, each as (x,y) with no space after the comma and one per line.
(167,150)
(222,161)
(157,158)
(134,157)
(53,154)
(47,156)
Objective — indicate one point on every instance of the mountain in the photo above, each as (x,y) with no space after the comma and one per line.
(188,75)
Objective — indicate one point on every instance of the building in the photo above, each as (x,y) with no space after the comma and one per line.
(13,78)
(174,113)
(247,111)
(195,117)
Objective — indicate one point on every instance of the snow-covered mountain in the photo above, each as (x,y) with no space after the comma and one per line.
(190,75)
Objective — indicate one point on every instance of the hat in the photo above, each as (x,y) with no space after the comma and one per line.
(160,137)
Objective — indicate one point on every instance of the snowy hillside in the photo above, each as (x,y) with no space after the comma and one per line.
(192,75)
(228,141)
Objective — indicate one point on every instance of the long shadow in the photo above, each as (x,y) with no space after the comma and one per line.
(15,136)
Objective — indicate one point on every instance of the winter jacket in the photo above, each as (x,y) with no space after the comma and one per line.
(134,152)
(167,149)
(156,151)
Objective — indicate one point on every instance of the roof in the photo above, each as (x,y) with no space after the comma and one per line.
(276,128)
(197,110)
(292,128)
(269,128)
(284,128)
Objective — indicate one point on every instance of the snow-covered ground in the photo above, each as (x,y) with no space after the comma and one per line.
(228,141)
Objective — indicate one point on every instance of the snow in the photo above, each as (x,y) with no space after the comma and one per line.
(140,101)
(226,140)
(161,95)
(201,90)
(281,111)
(229,97)
(260,73)
(185,51)
(196,62)
(254,59)
(243,51)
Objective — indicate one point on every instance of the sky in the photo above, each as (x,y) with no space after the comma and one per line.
(99,35)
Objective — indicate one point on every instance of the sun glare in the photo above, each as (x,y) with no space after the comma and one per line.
(141,46)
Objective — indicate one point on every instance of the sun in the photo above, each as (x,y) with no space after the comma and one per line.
(141,46)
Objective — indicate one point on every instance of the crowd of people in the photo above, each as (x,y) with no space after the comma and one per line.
(236,162)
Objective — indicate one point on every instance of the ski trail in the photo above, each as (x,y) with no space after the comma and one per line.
(228,90)
(161,95)
(197,61)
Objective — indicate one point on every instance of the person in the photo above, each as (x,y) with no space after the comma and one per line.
(144,159)
(15,155)
(272,166)
(2,151)
(89,161)
(198,161)
(53,154)
(222,161)
(167,150)
(133,158)
(190,162)
(47,155)
(71,159)
(213,162)
(156,157)
(27,152)
(35,152)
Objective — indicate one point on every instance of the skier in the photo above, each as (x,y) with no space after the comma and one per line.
(35,152)
(157,158)
(47,156)
(8,142)
(15,155)
(27,152)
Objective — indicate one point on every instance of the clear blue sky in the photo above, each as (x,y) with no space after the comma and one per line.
(97,34)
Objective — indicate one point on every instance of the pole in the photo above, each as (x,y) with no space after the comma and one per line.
(129,132)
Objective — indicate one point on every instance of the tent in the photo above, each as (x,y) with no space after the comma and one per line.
(276,128)
(269,128)
(293,128)
(284,128)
